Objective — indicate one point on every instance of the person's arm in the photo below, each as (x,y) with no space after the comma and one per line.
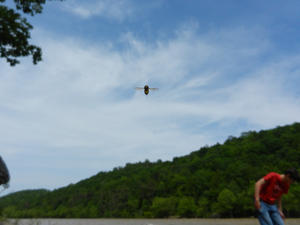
(280,207)
(258,186)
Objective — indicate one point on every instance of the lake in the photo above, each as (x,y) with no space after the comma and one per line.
(142,222)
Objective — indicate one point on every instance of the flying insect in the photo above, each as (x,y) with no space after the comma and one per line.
(146,89)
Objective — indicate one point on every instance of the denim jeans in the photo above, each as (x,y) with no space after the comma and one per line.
(269,214)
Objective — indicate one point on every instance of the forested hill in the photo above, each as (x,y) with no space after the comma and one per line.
(216,181)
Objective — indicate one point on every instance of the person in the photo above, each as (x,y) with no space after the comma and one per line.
(268,193)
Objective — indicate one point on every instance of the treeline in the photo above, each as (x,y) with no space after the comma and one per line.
(215,181)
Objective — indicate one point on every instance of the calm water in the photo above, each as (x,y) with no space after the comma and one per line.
(143,222)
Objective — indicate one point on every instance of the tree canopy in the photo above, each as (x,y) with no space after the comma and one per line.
(215,181)
(15,31)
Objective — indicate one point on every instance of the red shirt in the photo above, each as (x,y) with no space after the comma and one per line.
(273,188)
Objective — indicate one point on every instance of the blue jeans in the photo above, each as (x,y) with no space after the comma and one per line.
(269,214)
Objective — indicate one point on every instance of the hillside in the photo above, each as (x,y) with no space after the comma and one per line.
(215,181)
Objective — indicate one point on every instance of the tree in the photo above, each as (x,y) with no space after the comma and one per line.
(164,207)
(187,207)
(15,31)
(226,202)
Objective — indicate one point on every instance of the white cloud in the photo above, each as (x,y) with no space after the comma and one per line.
(112,9)
(264,99)
(79,105)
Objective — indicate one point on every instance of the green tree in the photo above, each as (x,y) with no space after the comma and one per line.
(226,203)
(15,31)
(203,207)
(186,207)
(164,207)
(9,211)
(291,201)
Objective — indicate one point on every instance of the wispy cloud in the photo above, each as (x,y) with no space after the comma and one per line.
(118,10)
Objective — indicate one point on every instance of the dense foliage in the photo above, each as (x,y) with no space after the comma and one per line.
(216,181)
(15,31)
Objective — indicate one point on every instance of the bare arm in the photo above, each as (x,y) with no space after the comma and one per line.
(258,186)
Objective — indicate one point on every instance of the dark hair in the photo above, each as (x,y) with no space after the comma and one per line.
(293,173)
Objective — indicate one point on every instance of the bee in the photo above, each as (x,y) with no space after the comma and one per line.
(146,89)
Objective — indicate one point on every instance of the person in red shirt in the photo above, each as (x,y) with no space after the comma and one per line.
(268,192)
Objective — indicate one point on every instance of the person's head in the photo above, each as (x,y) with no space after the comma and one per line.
(292,174)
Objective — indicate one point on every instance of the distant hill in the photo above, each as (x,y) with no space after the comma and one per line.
(215,181)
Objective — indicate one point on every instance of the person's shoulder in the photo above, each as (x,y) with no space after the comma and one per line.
(272,175)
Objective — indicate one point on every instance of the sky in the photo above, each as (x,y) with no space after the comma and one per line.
(221,68)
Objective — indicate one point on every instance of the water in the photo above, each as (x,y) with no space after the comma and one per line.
(142,222)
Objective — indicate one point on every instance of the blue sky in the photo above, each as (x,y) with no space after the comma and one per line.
(222,68)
